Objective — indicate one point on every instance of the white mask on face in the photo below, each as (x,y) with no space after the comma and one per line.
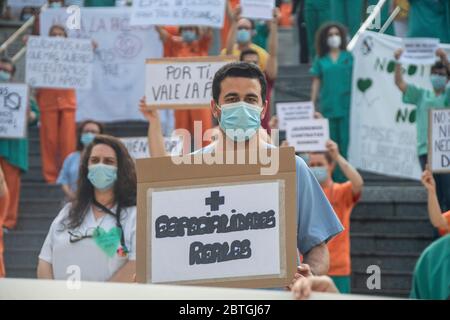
(334,41)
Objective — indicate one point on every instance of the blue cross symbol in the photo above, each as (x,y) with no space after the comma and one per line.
(215,200)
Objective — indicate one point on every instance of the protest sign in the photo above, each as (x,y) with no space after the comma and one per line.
(118,77)
(229,226)
(13,110)
(179,12)
(26,3)
(258,9)
(293,111)
(383,137)
(419,51)
(439,140)
(181,83)
(55,62)
(138,146)
(308,135)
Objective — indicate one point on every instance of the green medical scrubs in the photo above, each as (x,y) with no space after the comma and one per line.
(342,283)
(426,13)
(431,279)
(317,12)
(335,94)
(347,12)
(99,3)
(424,100)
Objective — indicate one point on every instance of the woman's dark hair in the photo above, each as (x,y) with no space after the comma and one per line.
(322,47)
(80,128)
(10,62)
(124,188)
(241,70)
(57,26)
(247,52)
(439,65)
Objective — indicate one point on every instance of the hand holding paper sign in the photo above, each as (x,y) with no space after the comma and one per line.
(419,51)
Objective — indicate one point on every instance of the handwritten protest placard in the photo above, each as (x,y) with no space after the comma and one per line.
(13,110)
(59,62)
(293,111)
(181,82)
(229,226)
(308,135)
(178,12)
(439,140)
(258,9)
(138,146)
(419,50)
(26,3)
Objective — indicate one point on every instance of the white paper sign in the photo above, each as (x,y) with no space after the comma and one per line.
(26,3)
(179,12)
(55,62)
(308,135)
(293,111)
(419,51)
(13,110)
(258,9)
(215,232)
(119,73)
(138,146)
(439,143)
(178,82)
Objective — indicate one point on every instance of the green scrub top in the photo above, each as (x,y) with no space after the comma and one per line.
(336,84)
(262,33)
(431,279)
(99,3)
(15,151)
(424,100)
(426,13)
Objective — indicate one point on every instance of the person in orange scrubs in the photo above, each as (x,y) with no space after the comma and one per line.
(4,203)
(439,220)
(58,127)
(343,197)
(192,42)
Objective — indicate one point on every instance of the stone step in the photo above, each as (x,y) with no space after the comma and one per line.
(392,225)
(387,261)
(35,221)
(26,272)
(390,280)
(389,242)
(21,257)
(38,205)
(40,190)
(394,293)
(31,240)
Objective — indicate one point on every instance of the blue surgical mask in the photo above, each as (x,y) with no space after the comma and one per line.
(438,81)
(102,176)
(243,36)
(240,120)
(26,16)
(56,5)
(188,36)
(87,138)
(4,76)
(321,173)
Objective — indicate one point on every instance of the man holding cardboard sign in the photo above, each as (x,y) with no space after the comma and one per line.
(239,103)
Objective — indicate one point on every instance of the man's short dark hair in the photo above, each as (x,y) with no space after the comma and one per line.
(440,65)
(9,61)
(238,70)
(246,52)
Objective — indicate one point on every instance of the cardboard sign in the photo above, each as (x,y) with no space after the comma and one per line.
(138,146)
(216,225)
(308,135)
(13,110)
(439,140)
(181,83)
(178,12)
(55,62)
(293,111)
(419,51)
(258,9)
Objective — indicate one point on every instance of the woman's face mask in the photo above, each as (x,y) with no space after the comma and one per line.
(243,36)
(334,41)
(5,76)
(102,176)
(87,138)
(321,173)
(55,5)
(240,120)
(438,81)
(188,36)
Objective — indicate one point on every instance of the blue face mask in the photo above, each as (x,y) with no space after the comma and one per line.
(87,138)
(56,5)
(188,36)
(240,120)
(4,76)
(438,81)
(321,173)
(102,176)
(243,36)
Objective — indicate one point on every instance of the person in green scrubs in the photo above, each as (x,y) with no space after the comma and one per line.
(429,18)
(99,3)
(424,100)
(431,278)
(317,12)
(348,13)
(332,81)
